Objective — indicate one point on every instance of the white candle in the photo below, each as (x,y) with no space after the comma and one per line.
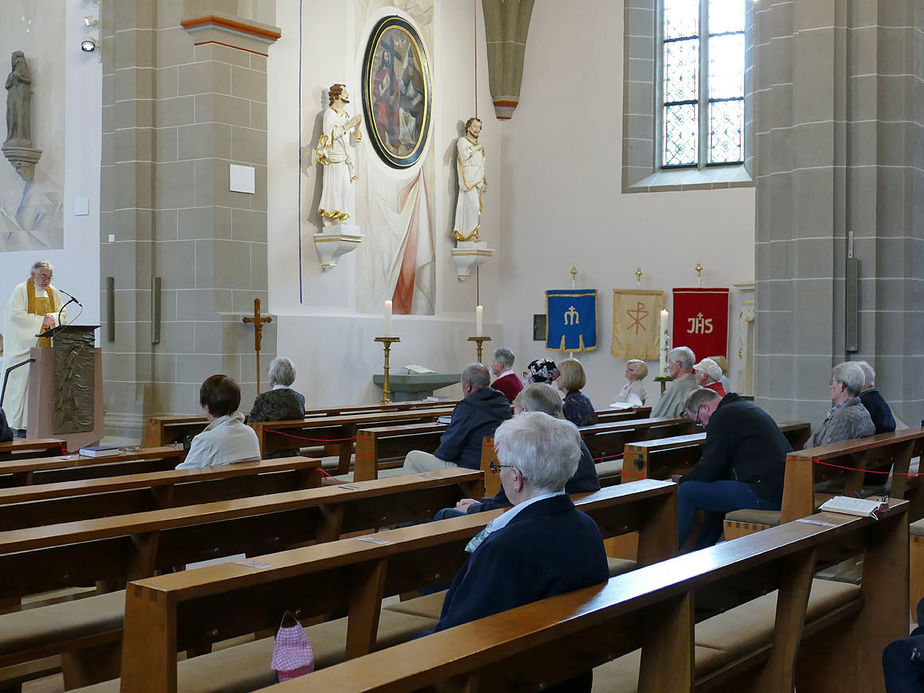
(479,321)
(388,318)
(662,368)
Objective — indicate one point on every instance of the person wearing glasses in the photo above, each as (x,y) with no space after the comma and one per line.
(541,547)
(742,464)
(535,397)
(848,418)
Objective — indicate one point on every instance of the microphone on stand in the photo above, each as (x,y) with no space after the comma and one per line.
(73,298)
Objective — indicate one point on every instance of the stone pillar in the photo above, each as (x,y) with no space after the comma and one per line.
(838,121)
(506,26)
(184,98)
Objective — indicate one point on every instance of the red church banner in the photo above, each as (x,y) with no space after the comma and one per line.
(701,321)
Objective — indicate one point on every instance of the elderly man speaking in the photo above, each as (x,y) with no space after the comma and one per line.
(541,547)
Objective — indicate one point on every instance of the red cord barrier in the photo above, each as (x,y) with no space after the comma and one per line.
(312,440)
(331,476)
(868,471)
(603,458)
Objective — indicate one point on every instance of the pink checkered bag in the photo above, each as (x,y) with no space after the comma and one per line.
(292,654)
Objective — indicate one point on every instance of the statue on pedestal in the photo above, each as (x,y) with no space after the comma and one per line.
(472,183)
(333,153)
(18,145)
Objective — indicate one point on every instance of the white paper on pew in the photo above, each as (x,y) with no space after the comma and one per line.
(259,565)
(371,539)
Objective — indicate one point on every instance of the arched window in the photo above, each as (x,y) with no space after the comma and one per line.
(702,83)
(687,106)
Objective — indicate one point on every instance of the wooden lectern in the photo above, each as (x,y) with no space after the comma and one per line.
(66,388)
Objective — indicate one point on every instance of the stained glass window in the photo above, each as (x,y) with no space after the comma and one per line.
(702,82)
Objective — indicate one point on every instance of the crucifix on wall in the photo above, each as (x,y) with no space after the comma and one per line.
(258,322)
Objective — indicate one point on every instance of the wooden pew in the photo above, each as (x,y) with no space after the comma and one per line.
(607,415)
(42,470)
(69,501)
(25,448)
(169,429)
(806,468)
(335,432)
(646,618)
(658,459)
(113,550)
(173,612)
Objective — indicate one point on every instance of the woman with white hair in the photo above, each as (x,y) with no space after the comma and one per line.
(848,418)
(281,403)
(541,547)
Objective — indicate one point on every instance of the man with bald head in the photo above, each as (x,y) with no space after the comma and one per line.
(480,412)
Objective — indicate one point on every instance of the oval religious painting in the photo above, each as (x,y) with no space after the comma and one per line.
(397,95)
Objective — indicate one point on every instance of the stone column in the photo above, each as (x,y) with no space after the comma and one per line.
(184,91)
(838,112)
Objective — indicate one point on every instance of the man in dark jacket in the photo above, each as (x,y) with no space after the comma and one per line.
(544,398)
(480,412)
(742,465)
(541,547)
(878,408)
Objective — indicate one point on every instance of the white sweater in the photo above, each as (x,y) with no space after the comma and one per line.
(225,440)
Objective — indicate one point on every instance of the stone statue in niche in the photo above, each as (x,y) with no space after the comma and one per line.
(340,133)
(472,183)
(18,145)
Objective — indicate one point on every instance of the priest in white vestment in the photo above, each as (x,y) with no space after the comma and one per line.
(338,197)
(472,183)
(34,306)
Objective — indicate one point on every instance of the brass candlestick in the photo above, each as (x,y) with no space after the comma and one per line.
(386,389)
(479,341)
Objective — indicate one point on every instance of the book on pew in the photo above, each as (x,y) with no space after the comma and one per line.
(860,507)
(444,419)
(99,450)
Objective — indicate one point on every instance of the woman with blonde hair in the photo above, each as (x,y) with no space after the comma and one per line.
(633,392)
(577,407)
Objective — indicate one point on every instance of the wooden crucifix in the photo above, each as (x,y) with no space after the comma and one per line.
(258,322)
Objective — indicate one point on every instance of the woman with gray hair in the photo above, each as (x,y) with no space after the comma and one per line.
(541,547)
(848,418)
(281,403)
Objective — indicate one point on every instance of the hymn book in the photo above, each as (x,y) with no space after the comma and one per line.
(860,507)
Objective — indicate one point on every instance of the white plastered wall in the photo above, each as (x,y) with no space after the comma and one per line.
(561,200)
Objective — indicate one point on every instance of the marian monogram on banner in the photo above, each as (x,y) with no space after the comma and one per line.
(571,319)
(636,321)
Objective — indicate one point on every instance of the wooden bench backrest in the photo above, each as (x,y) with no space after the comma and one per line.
(374,445)
(26,448)
(607,415)
(170,612)
(653,609)
(39,470)
(68,501)
(805,468)
(114,549)
(659,458)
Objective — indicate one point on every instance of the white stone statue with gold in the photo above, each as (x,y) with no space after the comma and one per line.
(470,251)
(340,134)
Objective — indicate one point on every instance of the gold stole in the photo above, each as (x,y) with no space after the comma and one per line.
(40,305)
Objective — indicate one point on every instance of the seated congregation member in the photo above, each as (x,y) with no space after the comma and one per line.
(540,371)
(281,403)
(708,374)
(535,397)
(633,392)
(742,465)
(722,363)
(878,408)
(227,439)
(541,547)
(576,406)
(502,368)
(478,414)
(903,660)
(680,368)
(848,418)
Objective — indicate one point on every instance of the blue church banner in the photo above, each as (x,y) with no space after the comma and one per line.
(571,318)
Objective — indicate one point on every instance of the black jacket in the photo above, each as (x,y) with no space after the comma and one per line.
(585,480)
(743,443)
(6,433)
(476,416)
(879,410)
